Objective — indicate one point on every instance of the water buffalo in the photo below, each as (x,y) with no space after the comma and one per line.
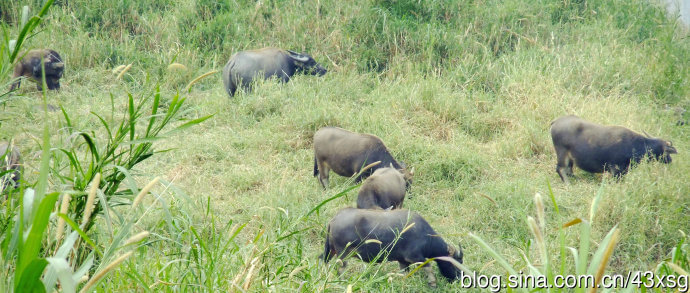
(30,67)
(402,236)
(384,189)
(10,166)
(244,66)
(597,148)
(346,152)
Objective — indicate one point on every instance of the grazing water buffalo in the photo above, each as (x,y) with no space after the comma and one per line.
(347,152)
(30,67)
(401,234)
(597,148)
(244,66)
(10,166)
(384,189)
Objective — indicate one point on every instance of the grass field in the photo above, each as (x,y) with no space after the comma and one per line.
(463,91)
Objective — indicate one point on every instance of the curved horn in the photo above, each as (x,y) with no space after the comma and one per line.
(297,56)
(647,134)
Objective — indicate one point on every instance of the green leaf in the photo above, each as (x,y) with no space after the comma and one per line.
(105,125)
(67,120)
(189,124)
(597,257)
(418,267)
(553,197)
(340,194)
(154,110)
(28,27)
(595,201)
(30,278)
(92,146)
(42,183)
(583,251)
(132,117)
(83,235)
(31,247)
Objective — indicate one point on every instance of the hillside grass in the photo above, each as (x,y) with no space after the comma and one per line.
(463,91)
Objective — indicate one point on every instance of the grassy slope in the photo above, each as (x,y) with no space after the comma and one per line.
(462,92)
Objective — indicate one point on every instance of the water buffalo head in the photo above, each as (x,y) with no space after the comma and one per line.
(306,64)
(662,149)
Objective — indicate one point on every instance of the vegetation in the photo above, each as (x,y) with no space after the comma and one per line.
(463,91)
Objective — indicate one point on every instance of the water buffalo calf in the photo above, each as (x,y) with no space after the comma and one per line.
(346,152)
(384,189)
(243,67)
(597,148)
(10,166)
(31,68)
(402,236)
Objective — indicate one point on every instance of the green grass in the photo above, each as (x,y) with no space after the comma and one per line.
(463,91)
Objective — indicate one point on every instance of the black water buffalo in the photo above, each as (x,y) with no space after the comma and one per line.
(30,67)
(346,152)
(244,66)
(597,148)
(10,166)
(384,189)
(401,235)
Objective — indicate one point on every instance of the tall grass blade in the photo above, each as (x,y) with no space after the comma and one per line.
(340,194)
(501,261)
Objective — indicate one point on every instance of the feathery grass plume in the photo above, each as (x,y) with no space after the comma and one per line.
(119,76)
(367,167)
(534,227)
(677,269)
(61,222)
(237,278)
(248,279)
(118,69)
(488,197)
(90,199)
(605,259)
(103,272)
(573,222)
(539,204)
(136,238)
(372,241)
(189,86)
(176,66)
(296,270)
(83,279)
(144,191)
(408,227)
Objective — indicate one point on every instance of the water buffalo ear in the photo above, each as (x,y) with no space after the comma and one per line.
(451,250)
(297,56)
